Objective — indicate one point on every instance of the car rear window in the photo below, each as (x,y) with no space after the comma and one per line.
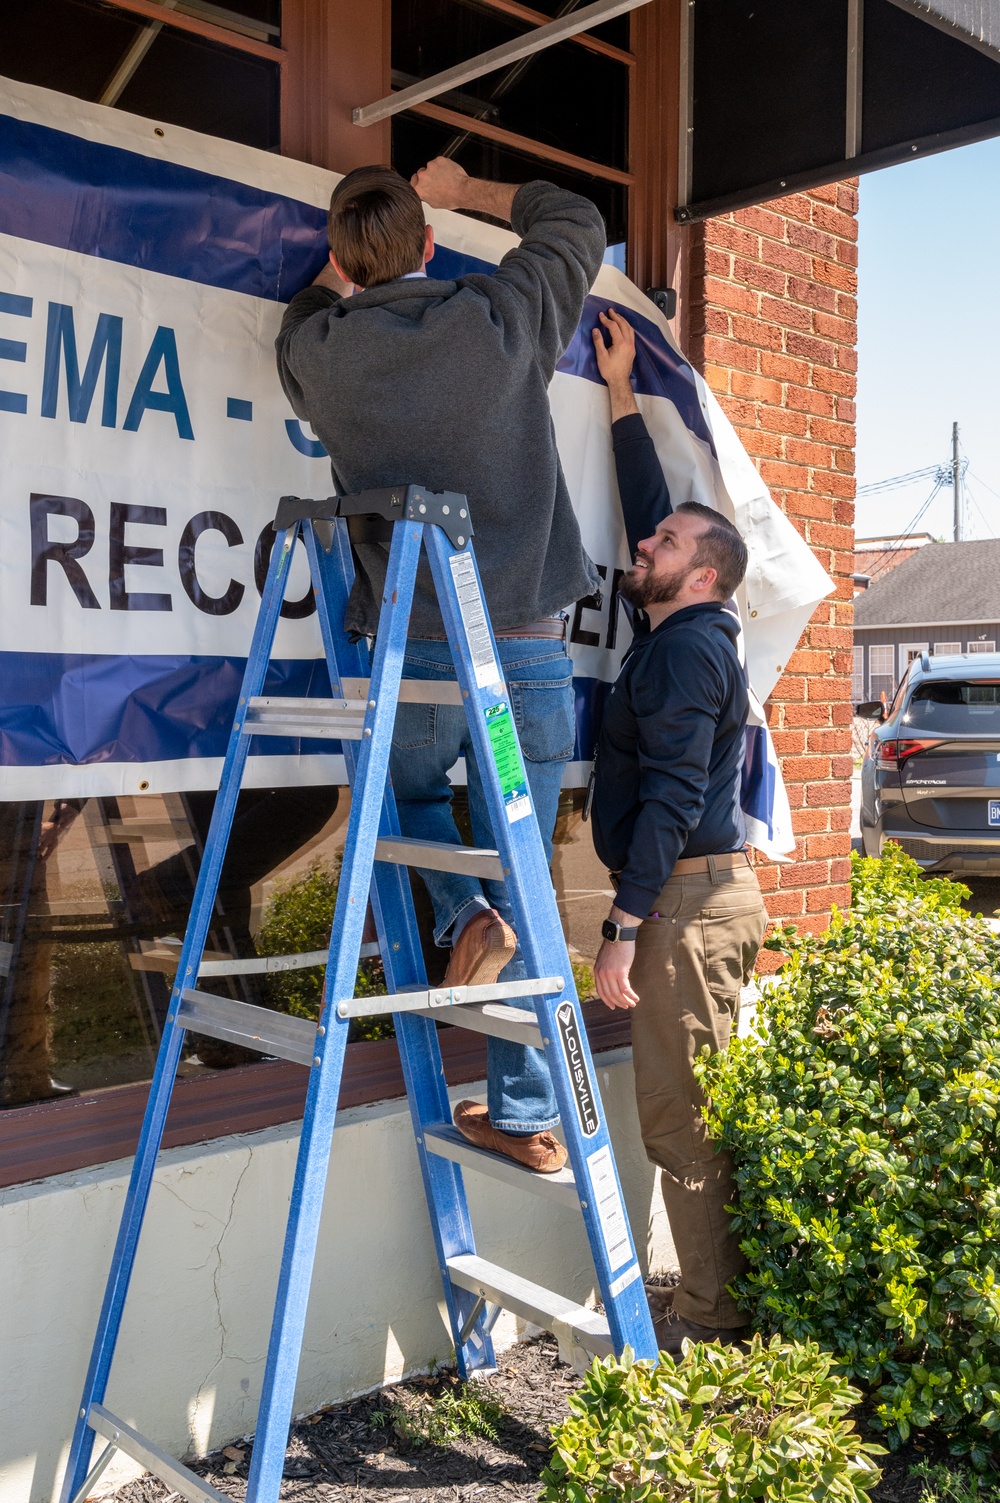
(955,706)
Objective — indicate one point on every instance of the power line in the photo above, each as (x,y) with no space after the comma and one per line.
(896,482)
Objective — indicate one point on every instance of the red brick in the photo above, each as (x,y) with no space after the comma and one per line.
(805,769)
(847,410)
(829,845)
(847,307)
(820,899)
(760,444)
(785,904)
(803,451)
(762,278)
(763,221)
(835,222)
(835,275)
(827,192)
(805,399)
(832,327)
(806,820)
(841,819)
(805,874)
(827,739)
(754,331)
(793,206)
(828,535)
(717,377)
(831,433)
(847,254)
(842,767)
(780,420)
(734,237)
(840,870)
(757,387)
(819,351)
(728,352)
(787,315)
(815,294)
(789,743)
(784,369)
(809,238)
(836,381)
(795,476)
(729,295)
(767,876)
(798,262)
(803,505)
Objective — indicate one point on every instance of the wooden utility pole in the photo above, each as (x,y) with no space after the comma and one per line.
(955,486)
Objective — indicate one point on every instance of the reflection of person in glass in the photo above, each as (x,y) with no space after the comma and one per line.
(27,842)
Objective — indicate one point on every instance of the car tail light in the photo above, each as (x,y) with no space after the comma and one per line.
(895,753)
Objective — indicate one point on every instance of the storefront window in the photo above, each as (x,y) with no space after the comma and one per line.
(108,55)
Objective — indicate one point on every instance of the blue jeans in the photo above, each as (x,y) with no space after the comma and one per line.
(427,741)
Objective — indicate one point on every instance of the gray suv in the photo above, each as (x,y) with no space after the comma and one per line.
(931,775)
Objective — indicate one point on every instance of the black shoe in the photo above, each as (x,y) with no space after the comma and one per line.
(672,1330)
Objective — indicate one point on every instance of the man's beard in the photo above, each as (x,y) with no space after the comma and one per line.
(645,588)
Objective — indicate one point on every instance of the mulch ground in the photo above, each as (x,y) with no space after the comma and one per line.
(349,1453)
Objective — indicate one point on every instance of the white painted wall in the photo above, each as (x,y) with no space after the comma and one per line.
(190,1361)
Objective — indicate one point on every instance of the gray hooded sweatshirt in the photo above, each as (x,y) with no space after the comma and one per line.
(445,384)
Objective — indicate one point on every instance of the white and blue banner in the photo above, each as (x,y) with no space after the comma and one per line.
(145,441)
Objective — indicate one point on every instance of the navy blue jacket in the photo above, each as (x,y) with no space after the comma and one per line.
(671,748)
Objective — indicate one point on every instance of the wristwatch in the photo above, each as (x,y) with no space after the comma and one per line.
(613,932)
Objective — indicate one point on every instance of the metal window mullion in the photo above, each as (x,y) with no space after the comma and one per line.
(855,77)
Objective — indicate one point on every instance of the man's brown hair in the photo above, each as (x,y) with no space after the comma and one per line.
(375,226)
(720,547)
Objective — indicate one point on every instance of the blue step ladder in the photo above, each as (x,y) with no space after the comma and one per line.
(376,856)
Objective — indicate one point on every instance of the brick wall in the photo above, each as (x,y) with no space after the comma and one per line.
(773,326)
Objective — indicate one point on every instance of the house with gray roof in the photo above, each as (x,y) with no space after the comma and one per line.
(944,598)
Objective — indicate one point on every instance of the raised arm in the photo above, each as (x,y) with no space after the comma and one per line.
(543,281)
(645,497)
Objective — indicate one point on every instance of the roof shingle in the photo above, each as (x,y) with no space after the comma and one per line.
(941,583)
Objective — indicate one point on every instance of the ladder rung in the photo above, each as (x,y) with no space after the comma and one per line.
(267,964)
(323,719)
(499,1022)
(149,1455)
(412,691)
(445,1140)
(252,1027)
(165,959)
(574,1325)
(447,996)
(437,857)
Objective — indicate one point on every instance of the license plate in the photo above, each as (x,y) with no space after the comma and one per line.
(994,811)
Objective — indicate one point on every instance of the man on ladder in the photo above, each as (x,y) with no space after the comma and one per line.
(400,375)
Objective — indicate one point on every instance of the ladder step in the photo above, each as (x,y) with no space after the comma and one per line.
(437,857)
(323,719)
(149,1455)
(252,1027)
(500,1022)
(447,996)
(445,1140)
(573,1325)
(412,691)
(165,957)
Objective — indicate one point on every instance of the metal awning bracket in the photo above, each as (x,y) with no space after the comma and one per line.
(498,57)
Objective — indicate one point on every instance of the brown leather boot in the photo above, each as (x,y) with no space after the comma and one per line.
(484,947)
(540,1151)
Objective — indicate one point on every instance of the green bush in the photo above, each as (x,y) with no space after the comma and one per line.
(721,1426)
(298,918)
(863,1123)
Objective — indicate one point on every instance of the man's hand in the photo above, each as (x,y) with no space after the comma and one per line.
(615,361)
(443,184)
(613,964)
(330,278)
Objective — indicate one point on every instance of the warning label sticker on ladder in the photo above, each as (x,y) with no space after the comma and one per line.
(507,758)
(609,1208)
(470,603)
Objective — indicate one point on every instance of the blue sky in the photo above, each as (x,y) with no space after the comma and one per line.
(929,334)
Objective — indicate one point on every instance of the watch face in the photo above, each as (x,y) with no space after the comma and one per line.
(609,929)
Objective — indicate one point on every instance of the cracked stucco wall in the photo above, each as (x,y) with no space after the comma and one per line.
(190,1361)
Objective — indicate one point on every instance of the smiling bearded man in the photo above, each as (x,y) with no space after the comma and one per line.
(688,919)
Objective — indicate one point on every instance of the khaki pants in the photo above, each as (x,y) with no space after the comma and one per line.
(690,963)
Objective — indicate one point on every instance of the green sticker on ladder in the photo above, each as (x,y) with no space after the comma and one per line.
(507,760)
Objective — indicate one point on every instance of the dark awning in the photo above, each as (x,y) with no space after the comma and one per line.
(786,94)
